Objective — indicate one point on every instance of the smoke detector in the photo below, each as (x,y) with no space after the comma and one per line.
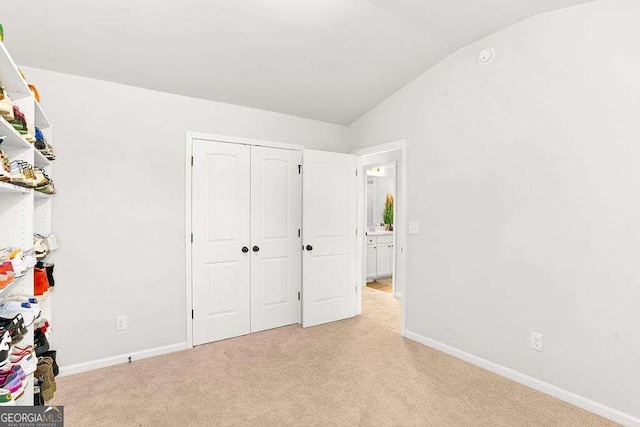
(486,55)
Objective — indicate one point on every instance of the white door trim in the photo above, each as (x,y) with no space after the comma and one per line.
(189,137)
(400,268)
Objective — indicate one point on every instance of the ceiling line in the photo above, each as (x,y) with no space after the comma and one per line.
(451,45)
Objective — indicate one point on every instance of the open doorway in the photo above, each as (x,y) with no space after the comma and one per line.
(381,231)
(380,210)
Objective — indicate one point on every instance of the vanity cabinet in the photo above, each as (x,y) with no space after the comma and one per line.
(379,256)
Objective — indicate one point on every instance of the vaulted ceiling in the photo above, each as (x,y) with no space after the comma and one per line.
(330,60)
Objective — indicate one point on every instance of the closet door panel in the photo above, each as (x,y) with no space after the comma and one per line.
(275,221)
(221,221)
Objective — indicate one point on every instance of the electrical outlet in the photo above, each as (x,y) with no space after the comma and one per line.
(414,227)
(121,323)
(536,341)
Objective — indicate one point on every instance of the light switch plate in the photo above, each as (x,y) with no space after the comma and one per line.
(414,227)
(536,341)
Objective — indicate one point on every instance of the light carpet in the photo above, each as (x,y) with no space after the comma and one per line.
(354,372)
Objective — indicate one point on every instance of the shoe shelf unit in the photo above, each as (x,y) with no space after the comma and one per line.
(23,211)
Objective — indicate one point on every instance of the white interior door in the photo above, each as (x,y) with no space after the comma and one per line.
(220,218)
(275,239)
(329,289)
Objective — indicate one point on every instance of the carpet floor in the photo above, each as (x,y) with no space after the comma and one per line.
(358,371)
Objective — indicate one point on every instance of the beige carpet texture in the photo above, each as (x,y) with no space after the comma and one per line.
(356,372)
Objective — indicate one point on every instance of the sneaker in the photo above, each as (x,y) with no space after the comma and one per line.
(15,327)
(6,399)
(40,283)
(10,309)
(27,361)
(6,273)
(18,262)
(14,380)
(5,348)
(48,267)
(33,302)
(40,245)
(41,343)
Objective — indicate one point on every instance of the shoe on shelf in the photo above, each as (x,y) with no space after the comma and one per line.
(14,380)
(6,107)
(48,188)
(32,301)
(45,373)
(43,145)
(29,174)
(40,244)
(20,266)
(11,309)
(5,167)
(41,181)
(15,327)
(27,361)
(6,399)
(17,176)
(48,267)
(5,349)
(6,272)
(40,343)
(40,283)
(36,95)
(52,355)
(19,121)
(31,130)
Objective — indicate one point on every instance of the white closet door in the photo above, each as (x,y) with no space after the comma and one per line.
(221,203)
(329,289)
(275,223)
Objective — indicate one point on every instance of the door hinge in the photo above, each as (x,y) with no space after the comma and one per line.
(191,161)
(299,168)
(191,237)
(298,232)
(356,231)
(298,296)
(356,172)
(192,314)
(356,289)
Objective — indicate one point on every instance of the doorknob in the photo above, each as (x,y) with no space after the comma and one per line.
(256,249)
(309,247)
(245,249)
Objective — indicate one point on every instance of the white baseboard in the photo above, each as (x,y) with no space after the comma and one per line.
(123,358)
(567,396)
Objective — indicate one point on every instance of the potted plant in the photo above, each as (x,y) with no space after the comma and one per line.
(387,213)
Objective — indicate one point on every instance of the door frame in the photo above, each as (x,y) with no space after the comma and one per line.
(399,264)
(188,230)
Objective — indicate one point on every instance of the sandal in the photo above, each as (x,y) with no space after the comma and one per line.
(6,107)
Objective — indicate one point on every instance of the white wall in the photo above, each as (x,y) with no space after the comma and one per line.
(525,177)
(120,208)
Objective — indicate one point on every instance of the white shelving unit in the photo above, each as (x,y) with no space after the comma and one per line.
(23,211)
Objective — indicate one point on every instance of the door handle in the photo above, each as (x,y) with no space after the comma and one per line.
(256,249)
(309,247)
(245,249)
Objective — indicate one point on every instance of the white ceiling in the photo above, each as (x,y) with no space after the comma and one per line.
(330,60)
